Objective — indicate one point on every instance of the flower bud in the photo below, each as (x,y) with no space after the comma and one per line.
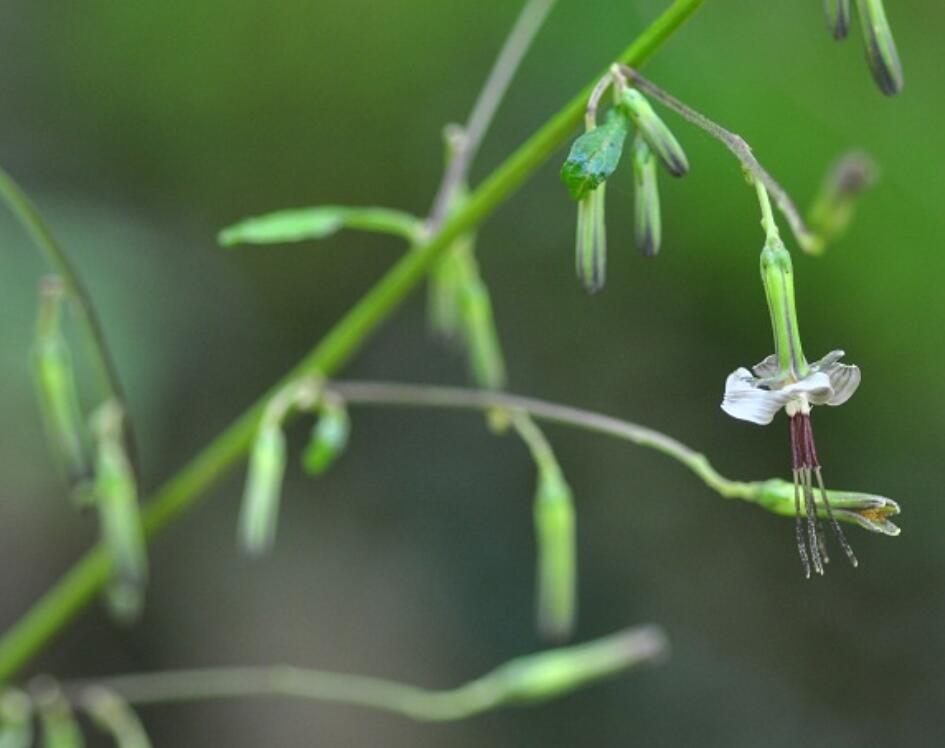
(591,247)
(329,436)
(60,728)
(546,675)
(56,386)
(869,511)
(648,224)
(657,135)
(557,554)
(113,715)
(259,512)
(116,497)
(839,16)
(833,209)
(880,46)
(595,155)
(16,724)
(482,339)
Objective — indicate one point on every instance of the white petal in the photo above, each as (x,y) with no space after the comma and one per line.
(815,386)
(844,379)
(828,361)
(747,402)
(767,368)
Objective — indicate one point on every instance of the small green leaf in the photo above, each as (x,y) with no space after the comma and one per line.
(318,223)
(595,155)
(329,437)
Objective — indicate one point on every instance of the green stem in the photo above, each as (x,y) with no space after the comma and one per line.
(767,215)
(529,679)
(81,583)
(44,240)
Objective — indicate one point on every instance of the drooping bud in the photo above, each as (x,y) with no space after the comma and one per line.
(557,554)
(881,49)
(839,17)
(116,497)
(60,728)
(444,302)
(833,209)
(546,675)
(16,723)
(56,386)
(648,229)
(329,436)
(777,274)
(594,156)
(114,715)
(259,512)
(591,247)
(869,511)
(657,135)
(482,339)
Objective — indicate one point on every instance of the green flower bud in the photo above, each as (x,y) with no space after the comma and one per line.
(869,511)
(60,728)
(659,137)
(444,303)
(259,512)
(839,17)
(880,46)
(595,155)
(329,436)
(777,274)
(16,724)
(648,224)
(833,210)
(547,675)
(116,497)
(591,247)
(113,715)
(482,339)
(557,554)
(56,386)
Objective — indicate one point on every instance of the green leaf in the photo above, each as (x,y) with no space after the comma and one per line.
(302,224)
(595,155)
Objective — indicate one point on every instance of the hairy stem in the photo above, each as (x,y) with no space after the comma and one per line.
(85,579)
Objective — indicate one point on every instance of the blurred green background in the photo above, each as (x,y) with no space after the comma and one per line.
(140,128)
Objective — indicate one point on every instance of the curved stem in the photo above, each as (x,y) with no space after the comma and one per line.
(29,217)
(84,580)
(741,150)
(767,216)
(527,679)
(412,395)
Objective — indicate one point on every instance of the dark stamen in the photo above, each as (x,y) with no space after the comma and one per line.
(838,531)
(812,539)
(799,525)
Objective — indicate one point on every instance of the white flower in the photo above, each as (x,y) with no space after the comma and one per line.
(758,397)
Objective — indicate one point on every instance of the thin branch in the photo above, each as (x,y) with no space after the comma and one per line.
(29,217)
(79,586)
(741,150)
(529,679)
(516,46)
(411,395)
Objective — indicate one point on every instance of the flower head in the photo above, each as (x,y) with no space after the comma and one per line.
(785,380)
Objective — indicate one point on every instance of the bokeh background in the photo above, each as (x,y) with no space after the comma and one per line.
(141,128)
